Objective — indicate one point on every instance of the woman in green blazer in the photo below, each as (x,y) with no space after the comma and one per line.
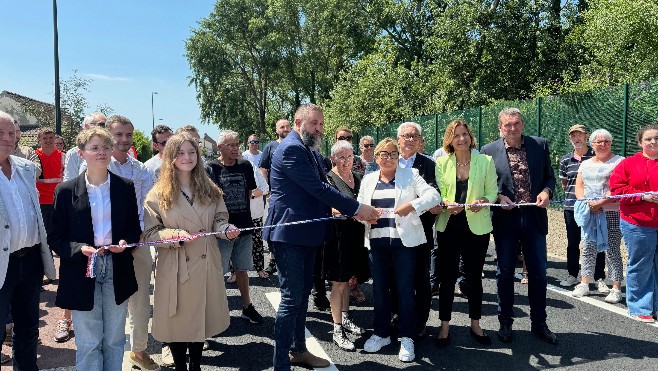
(463,177)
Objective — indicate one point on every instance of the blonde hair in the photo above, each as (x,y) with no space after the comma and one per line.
(167,187)
(384,143)
(450,135)
(95,131)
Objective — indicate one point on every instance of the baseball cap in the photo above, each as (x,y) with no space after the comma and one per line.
(578,127)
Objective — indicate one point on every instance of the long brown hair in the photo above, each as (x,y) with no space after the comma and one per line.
(168,187)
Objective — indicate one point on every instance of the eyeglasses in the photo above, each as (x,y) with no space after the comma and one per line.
(410,136)
(345,158)
(163,143)
(96,149)
(231,145)
(253,142)
(386,155)
(372,145)
(602,142)
(101,124)
(347,138)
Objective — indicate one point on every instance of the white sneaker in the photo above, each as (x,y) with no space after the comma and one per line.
(582,289)
(376,343)
(569,281)
(343,341)
(352,327)
(614,296)
(602,287)
(406,350)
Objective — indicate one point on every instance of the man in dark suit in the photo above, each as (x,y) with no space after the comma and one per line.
(299,191)
(525,175)
(409,138)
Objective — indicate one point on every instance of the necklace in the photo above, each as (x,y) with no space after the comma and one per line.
(462,165)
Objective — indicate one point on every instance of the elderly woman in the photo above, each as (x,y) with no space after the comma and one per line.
(344,245)
(639,224)
(402,195)
(97,208)
(463,177)
(190,302)
(593,180)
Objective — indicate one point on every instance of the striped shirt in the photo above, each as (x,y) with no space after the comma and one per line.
(569,166)
(384,232)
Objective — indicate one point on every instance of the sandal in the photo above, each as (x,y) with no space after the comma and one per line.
(263,274)
(524,280)
(4,358)
(231,279)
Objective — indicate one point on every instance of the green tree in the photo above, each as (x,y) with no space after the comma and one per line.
(143,146)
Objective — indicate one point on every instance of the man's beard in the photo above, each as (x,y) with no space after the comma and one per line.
(311,140)
(282,135)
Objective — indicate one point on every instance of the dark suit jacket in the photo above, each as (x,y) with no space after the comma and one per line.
(73,229)
(539,169)
(299,191)
(427,169)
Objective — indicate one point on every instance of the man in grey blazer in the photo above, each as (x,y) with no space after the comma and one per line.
(24,252)
(525,175)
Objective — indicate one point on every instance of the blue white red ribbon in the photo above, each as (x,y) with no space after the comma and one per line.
(91,264)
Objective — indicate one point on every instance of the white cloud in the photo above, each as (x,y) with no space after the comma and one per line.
(97,76)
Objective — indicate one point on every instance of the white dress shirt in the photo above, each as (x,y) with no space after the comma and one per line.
(408,163)
(23,224)
(101,211)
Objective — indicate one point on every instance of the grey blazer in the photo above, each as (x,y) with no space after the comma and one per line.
(26,172)
(539,169)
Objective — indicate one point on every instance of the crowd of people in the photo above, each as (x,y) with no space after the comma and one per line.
(415,224)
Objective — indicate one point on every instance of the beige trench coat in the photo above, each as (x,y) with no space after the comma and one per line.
(189,298)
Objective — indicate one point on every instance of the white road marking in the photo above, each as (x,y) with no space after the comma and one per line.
(312,343)
(597,303)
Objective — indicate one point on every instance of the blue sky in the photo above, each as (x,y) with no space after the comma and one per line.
(128,48)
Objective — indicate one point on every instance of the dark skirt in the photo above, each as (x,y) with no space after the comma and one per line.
(344,254)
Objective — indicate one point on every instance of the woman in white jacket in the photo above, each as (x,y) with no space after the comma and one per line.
(401,195)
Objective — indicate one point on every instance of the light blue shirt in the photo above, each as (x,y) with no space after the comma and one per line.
(408,163)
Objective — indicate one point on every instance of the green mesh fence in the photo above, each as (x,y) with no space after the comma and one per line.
(622,110)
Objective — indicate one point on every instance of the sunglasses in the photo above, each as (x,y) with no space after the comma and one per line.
(369,145)
(101,124)
(254,142)
(348,138)
(163,143)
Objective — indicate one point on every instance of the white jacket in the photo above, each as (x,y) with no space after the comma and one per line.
(409,187)
(26,171)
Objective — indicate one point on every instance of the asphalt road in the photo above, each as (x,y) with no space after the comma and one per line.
(592,335)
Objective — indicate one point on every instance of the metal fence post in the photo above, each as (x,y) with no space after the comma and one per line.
(436,131)
(539,116)
(624,121)
(479,127)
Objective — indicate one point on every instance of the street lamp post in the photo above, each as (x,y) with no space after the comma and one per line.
(152,111)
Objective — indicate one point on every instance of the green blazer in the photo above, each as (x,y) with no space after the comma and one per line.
(482,182)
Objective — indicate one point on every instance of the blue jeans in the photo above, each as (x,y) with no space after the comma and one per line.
(386,264)
(295,265)
(100,334)
(20,292)
(521,227)
(641,269)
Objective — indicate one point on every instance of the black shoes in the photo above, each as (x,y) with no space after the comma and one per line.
(442,342)
(505,333)
(545,334)
(271,268)
(484,339)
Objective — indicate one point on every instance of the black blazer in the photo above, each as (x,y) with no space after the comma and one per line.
(427,168)
(72,229)
(539,169)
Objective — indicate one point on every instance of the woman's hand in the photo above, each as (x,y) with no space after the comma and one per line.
(232,232)
(88,250)
(256,193)
(185,234)
(475,208)
(452,208)
(404,209)
(120,248)
(651,198)
(595,207)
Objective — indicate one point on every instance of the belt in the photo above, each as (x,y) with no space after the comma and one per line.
(24,251)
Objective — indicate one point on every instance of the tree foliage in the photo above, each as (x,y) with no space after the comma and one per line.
(142,143)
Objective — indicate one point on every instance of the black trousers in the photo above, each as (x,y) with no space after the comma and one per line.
(178,352)
(472,248)
(573,249)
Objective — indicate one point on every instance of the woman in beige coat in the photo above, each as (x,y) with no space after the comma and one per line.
(190,299)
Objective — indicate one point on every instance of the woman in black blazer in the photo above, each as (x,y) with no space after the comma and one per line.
(96,208)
